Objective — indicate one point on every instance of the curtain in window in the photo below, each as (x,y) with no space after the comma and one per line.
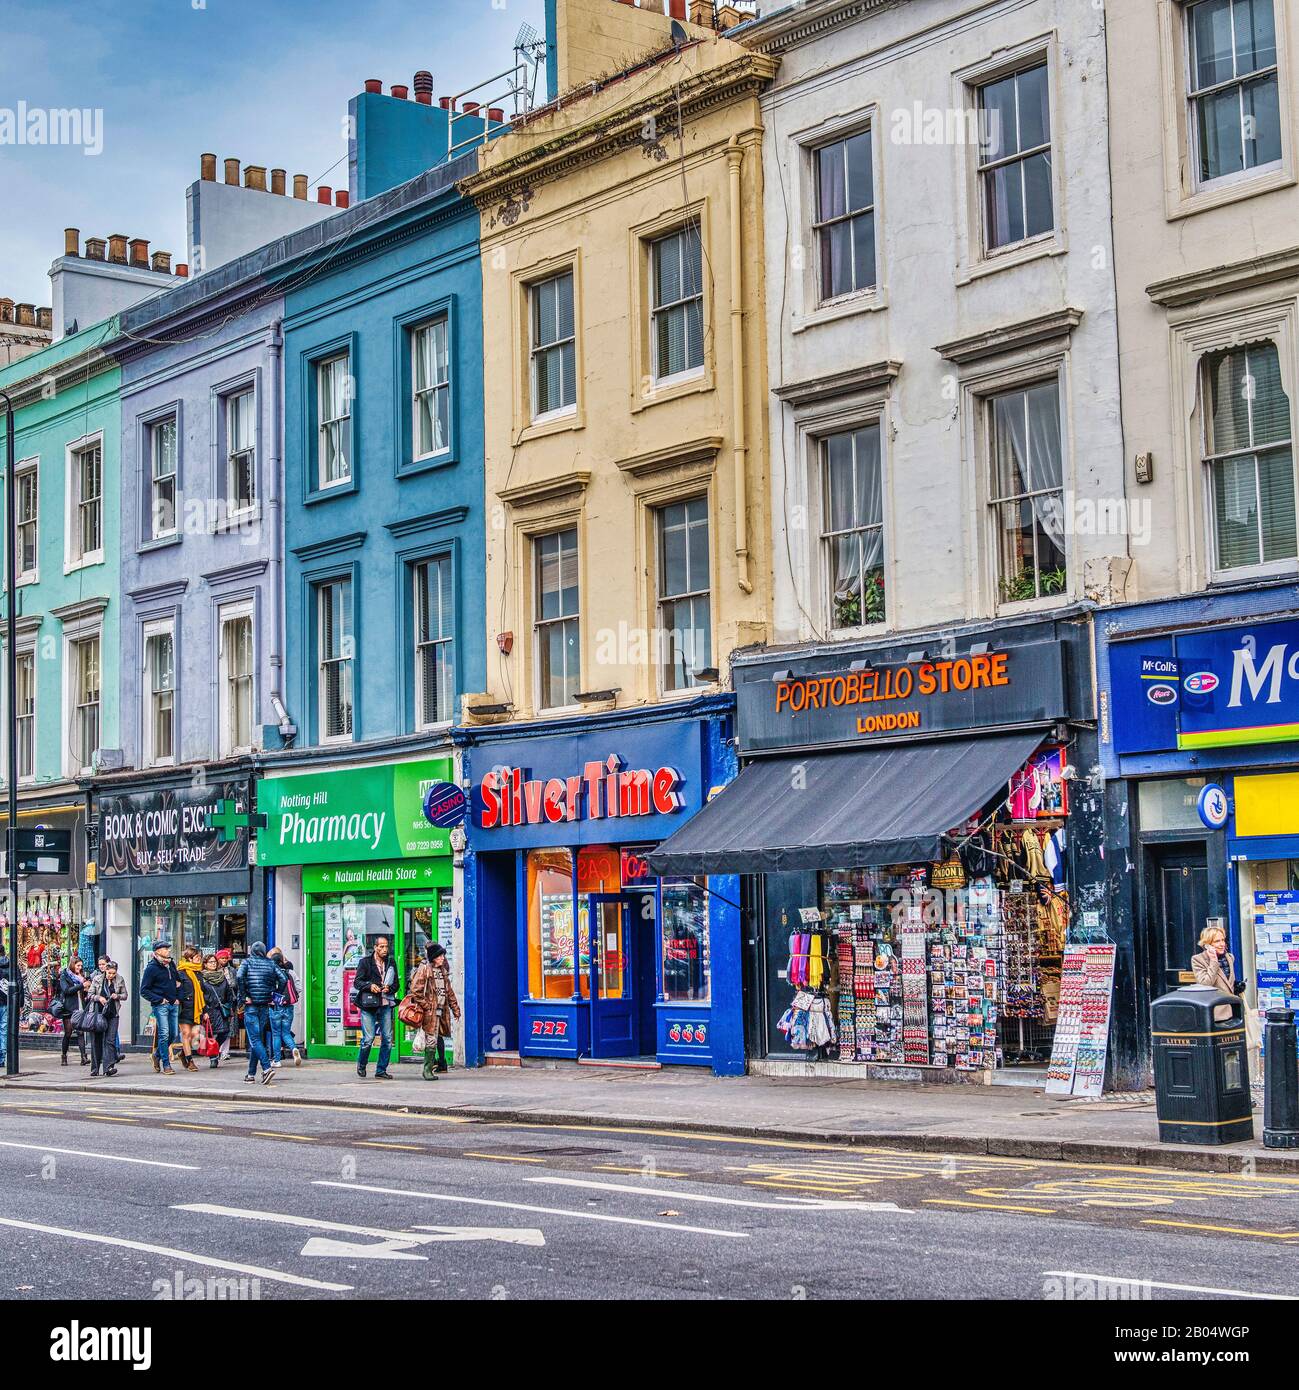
(1033,434)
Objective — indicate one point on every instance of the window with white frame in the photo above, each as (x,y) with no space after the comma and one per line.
(677,299)
(334,416)
(1233,87)
(84,692)
(335,659)
(684,597)
(553,339)
(430,365)
(1026,491)
(162,445)
(86,515)
(434,642)
(27,512)
(1248,457)
(235,663)
(556,619)
(852,526)
(25,708)
(1015,183)
(159,694)
(845,216)
(241,451)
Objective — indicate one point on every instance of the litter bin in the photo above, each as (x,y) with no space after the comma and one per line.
(1202,1093)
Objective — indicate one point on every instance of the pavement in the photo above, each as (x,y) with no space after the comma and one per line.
(191,1196)
(1004,1121)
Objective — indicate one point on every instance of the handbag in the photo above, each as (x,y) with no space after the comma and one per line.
(210,1046)
(410,1012)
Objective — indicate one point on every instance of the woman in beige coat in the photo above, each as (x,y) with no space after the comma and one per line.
(1215,966)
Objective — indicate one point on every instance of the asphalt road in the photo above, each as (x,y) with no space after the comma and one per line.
(142,1198)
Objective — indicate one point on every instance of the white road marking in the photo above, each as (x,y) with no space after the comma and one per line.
(421,1235)
(350,1250)
(84,1153)
(1175,1288)
(521,1206)
(209,1261)
(675,1195)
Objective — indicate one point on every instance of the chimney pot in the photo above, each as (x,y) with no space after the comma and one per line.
(207,167)
(424,87)
(255,177)
(26,315)
(400,91)
(161,262)
(424,98)
(299,185)
(277,181)
(95,246)
(139,252)
(45,318)
(373,84)
(6,311)
(71,241)
(342,198)
(182,271)
(497,114)
(324,194)
(471,108)
(232,171)
(447,103)
(117,248)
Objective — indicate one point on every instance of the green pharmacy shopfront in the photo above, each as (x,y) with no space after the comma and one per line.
(354,859)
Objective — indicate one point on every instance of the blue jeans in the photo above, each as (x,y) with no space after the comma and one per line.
(166,1024)
(4,1033)
(376,1021)
(281,1029)
(256,1022)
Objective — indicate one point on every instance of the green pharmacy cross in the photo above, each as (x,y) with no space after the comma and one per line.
(229,821)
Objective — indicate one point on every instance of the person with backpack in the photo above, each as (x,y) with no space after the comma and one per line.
(374,990)
(282,1006)
(72,1000)
(160,988)
(258,980)
(106,998)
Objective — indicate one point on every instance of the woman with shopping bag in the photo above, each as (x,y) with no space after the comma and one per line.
(432,995)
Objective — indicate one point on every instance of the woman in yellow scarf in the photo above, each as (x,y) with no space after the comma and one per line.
(190,987)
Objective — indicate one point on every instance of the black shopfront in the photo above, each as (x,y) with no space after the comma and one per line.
(920,837)
(173,865)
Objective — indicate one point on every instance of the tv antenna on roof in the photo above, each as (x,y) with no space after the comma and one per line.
(529,50)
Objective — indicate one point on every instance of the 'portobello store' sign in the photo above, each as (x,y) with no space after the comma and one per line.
(352,815)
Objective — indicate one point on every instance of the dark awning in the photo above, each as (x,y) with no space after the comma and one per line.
(844,810)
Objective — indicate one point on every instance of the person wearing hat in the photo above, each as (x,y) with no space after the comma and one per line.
(225,963)
(160,986)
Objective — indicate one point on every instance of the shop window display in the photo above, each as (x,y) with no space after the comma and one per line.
(50,932)
(551,920)
(209,923)
(952,964)
(687,970)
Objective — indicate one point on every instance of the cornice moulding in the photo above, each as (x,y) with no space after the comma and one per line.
(694,451)
(996,342)
(826,388)
(1191,287)
(546,489)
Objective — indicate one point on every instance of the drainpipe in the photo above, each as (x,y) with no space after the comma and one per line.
(734,161)
(275,518)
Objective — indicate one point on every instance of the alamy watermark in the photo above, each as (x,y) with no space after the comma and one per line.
(53,125)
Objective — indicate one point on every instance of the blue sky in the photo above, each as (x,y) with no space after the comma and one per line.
(264,81)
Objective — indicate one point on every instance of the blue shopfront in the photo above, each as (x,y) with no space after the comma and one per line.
(1200,742)
(579,952)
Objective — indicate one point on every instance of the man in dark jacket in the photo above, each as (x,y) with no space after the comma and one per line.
(375,983)
(258,979)
(160,986)
(16,1002)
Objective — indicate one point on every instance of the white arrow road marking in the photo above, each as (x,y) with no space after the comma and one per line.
(394,1241)
(349,1250)
(810,1204)
(1155,1284)
(85,1153)
(257,1271)
(522,1206)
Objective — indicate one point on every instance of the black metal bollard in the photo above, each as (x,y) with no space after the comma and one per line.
(1281,1082)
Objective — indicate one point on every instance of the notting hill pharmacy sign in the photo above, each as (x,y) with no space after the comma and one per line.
(351,815)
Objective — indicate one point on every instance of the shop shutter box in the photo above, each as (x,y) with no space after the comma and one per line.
(1202,1093)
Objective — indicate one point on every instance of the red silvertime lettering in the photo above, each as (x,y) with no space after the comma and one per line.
(603,790)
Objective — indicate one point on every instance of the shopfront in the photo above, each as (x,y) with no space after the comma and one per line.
(172,866)
(581,951)
(356,859)
(55,917)
(918,850)
(1201,723)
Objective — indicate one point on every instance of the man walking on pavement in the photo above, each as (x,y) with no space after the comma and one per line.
(160,986)
(6,1003)
(375,984)
(258,979)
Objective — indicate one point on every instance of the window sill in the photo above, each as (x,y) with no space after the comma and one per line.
(96,557)
(1246,574)
(236,521)
(853,634)
(1230,189)
(672,388)
(31,577)
(689,692)
(445,458)
(322,494)
(555,423)
(338,741)
(159,542)
(1021,253)
(442,727)
(1033,605)
(869,302)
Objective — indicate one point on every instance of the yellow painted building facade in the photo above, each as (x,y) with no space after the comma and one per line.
(631,419)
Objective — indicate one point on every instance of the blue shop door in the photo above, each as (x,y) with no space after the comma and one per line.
(615,1030)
